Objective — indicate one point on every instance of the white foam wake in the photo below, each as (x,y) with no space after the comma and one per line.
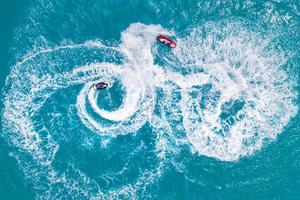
(244,98)
(40,75)
(235,95)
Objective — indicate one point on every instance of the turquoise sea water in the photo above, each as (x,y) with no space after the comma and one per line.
(215,118)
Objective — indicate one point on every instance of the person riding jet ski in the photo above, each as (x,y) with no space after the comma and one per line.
(102,85)
(166,41)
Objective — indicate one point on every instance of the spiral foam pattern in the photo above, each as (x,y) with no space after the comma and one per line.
(232,96)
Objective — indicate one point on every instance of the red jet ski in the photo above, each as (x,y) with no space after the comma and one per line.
(167,41)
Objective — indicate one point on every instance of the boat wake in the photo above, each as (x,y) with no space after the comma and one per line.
(221,93)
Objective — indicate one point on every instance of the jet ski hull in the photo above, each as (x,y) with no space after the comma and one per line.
(166,41)
(102,85)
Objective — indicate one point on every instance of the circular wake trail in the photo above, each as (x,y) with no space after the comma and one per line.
(48,72)
(221,94)
(244,96)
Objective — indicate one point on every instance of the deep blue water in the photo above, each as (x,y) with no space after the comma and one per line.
(215,118)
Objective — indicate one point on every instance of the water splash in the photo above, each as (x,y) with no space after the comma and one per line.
(233,95)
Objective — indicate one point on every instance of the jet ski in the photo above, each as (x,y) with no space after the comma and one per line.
(167,41)
(102,85)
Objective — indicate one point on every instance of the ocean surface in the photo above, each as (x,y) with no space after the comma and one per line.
(215,118)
